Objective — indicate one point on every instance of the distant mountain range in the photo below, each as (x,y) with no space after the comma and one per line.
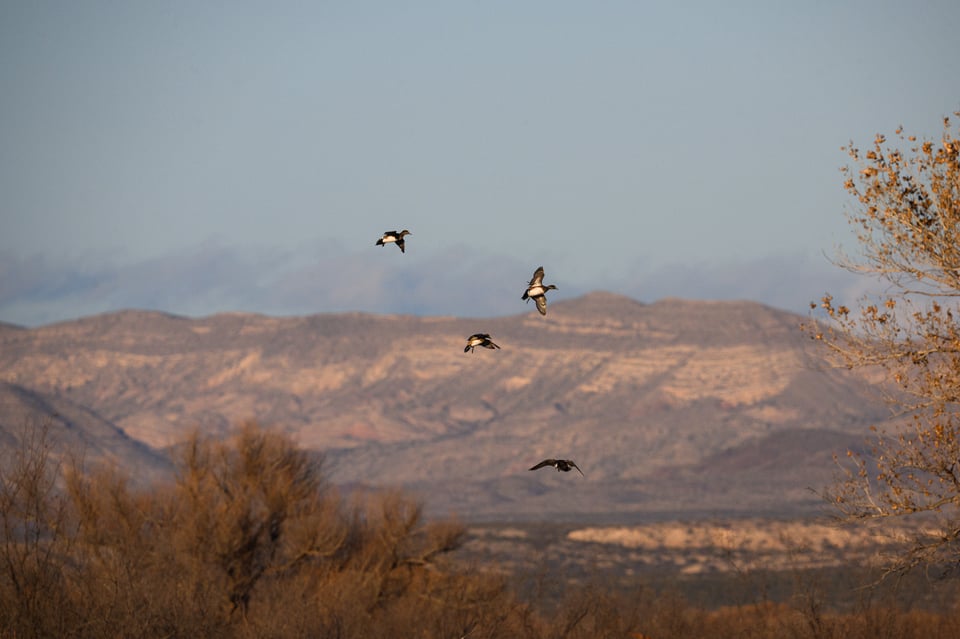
(672,407)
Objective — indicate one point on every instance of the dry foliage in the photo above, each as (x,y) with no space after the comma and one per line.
(250,541)
(907,216)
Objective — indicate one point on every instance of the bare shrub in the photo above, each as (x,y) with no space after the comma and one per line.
(35,538)
(252,509)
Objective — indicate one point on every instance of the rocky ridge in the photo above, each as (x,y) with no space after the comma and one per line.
(675,406)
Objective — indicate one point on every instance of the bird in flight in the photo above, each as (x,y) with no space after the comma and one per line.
(565,465)
(537,291)
(479,339)
(393,236)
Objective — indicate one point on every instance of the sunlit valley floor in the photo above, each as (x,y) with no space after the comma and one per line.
(712,563)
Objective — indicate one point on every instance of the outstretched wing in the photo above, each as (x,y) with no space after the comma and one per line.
(537,278)
(541,301)
(400,243)
(489,344)
(574,464)
(545,462)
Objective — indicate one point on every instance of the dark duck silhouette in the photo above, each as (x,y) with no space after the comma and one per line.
(393,236)
(565,465)
(479,339)
(537,291)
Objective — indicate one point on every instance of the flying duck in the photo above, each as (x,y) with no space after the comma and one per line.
(479,339)
(537,291)
(393,236)
(566,465)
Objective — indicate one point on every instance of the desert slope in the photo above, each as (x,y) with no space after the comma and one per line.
(676,405)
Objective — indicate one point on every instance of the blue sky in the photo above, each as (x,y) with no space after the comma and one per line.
(244,156)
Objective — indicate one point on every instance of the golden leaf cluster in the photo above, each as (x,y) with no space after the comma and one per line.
(907,220)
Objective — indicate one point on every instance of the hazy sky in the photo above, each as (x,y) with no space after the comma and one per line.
(198,157)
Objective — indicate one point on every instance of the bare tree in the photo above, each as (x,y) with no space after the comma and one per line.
(35,533)
(907,218)
(253,508)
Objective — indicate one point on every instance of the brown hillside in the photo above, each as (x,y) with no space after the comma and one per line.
(77,431)
(676,405)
